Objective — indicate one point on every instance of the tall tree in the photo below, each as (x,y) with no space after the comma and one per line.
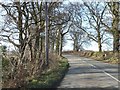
(96,13)
(115,10)
(79,38)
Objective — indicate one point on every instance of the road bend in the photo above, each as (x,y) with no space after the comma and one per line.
(88,74)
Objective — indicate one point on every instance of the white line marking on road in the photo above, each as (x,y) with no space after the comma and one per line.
(111,76)
(93,65)
(105,72)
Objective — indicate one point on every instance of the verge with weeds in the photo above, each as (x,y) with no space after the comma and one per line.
(106,56)
(51,77)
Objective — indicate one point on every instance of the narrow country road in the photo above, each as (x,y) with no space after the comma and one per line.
(87,74)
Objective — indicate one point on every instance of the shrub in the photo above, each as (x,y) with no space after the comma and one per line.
(5,62)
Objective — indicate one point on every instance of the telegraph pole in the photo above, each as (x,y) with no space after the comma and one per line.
(46,35)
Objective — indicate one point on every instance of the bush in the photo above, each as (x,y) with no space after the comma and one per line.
(5,62)
(106,56)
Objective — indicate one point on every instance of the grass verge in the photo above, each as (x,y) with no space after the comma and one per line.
(51,78)
(106,57)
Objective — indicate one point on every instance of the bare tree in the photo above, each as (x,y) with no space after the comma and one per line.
(24,23)
(114,10)
(79,38)
(96,13)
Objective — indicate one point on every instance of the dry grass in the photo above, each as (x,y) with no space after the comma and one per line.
(19,75)
(107,56)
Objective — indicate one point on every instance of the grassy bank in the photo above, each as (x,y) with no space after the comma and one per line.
(107,56)
(52,77)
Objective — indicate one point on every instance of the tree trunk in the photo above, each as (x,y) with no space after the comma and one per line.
(99,43)
(36,45)
(21,40)
(115,25)
(61,42)
(57,42)
(116,42)
(74,46)
(53,43)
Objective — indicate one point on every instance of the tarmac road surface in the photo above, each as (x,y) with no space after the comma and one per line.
(89,74)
